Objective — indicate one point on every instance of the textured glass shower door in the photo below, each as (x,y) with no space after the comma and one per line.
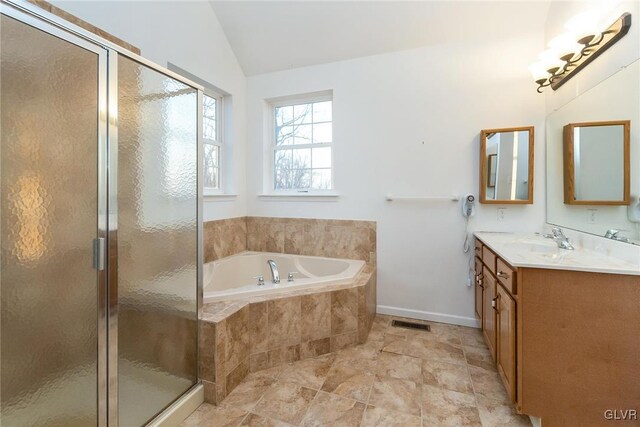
(157,240)
(52,208)
(98,149)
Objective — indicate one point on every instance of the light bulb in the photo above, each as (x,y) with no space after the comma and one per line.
(538,72)
(584,24)
(564,45)
(550,61)
(606,10)
(607,20)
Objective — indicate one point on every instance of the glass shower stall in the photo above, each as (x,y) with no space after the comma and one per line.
(100,235)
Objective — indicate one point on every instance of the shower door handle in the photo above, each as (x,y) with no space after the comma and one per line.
(98,253)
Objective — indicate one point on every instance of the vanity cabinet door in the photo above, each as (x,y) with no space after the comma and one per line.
(506,340)
(479,287)
(489,311)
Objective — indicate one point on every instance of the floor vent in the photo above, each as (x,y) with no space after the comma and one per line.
(411,325)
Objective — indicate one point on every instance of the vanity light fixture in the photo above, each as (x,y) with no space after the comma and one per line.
(573,50)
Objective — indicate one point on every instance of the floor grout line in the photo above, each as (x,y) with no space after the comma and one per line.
(244,418)
(315,396)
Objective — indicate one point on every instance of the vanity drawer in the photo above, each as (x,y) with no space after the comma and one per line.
(478,248)
(506,275)
(489,259)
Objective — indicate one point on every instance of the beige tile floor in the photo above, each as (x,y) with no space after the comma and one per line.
(399,377)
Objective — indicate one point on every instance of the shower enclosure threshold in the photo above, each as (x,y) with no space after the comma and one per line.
(180,409)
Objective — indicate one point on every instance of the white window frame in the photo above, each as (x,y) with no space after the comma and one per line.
(218,142)
(270,189)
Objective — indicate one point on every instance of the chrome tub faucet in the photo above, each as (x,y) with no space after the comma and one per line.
(275,276)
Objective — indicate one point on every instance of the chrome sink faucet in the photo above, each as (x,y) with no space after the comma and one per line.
(275,276)
(613,234)
(561,240)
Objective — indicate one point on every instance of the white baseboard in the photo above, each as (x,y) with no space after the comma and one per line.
(180,409)
(427,315)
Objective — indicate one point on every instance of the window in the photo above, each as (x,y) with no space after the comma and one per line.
(217,143)
(212,139)
(302,145)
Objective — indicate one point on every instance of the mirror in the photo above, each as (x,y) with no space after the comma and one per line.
(506,166)
(606,189)
(596,163)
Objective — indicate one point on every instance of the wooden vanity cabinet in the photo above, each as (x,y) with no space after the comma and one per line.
(505,330)
(578,348)
(479,287)
(495,306)
(565,342)
(489,311)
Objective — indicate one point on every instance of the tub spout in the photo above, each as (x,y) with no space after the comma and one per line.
(275,276)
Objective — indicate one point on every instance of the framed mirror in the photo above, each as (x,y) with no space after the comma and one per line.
(596,163)
(506,165)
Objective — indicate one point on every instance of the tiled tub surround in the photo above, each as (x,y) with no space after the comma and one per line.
(224,237)
(332,238)
(316,237)
(248,335)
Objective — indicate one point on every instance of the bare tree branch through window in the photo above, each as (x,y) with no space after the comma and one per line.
(303,142)
(212,141)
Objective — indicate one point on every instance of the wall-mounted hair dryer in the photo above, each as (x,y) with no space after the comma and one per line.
(469,205)
(468,210)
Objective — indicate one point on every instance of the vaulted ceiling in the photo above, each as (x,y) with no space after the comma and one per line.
(271,36)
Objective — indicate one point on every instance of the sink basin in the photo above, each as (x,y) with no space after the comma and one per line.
(534,245)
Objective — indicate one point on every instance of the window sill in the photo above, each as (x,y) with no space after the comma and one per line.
(219,197)
(300,197)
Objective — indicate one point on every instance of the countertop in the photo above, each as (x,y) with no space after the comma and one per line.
(531,250)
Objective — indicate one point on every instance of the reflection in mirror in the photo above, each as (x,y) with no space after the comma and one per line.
(506,166)
(599,174)
(596,163)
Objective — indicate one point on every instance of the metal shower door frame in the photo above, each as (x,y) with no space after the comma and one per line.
(107,188)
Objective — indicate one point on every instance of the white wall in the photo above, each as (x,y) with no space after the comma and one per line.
(408,123)
(187,34)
